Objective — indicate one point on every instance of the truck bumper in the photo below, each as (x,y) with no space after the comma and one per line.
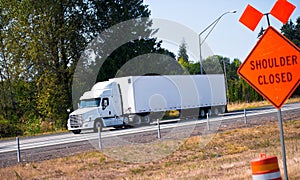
(85,125)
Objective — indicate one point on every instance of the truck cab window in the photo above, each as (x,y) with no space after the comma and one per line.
(105,103)
(89,103)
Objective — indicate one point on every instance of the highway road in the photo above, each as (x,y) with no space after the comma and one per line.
(63,143)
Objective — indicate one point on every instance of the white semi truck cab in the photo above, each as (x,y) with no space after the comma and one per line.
(130,100)
(98,107)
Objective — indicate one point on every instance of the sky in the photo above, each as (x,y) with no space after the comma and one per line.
(229,38)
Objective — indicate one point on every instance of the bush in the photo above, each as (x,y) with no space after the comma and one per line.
(9,130)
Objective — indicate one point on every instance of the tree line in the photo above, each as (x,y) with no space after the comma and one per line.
(42,41)
(237,89)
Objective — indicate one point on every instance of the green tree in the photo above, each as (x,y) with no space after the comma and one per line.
(41,42)
(292,32)
(110,14)
(182,53)
(48,33)
(194,68)
(232,69)
(261,32)
(215,64)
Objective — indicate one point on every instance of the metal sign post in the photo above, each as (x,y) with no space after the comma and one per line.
(282,144)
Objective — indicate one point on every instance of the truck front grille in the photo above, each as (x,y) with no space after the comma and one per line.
(76,121)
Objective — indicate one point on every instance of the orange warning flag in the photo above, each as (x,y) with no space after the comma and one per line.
(282,10)
(251,17)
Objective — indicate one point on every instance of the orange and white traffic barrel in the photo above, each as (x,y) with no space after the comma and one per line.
(265,168)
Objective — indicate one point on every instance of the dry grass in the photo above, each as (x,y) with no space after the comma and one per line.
(240,106)
(227,156)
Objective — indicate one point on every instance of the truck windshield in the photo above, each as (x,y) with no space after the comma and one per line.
(89,103)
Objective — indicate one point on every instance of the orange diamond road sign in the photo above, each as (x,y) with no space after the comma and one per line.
(282,10)
(251,17)
(273,67)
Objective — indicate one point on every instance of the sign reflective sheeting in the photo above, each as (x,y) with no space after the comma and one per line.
(273,67)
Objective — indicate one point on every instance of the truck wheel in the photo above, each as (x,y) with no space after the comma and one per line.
(125,120)
(97,123)
(76,131)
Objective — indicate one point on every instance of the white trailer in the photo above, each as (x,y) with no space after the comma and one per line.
(135,100)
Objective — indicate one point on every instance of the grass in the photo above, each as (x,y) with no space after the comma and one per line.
(227,156)
(240,106)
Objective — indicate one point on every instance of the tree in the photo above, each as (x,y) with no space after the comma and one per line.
(182,53)
(232,69)
(261,32)
(215,64)
(194,68)
(292,32)
(124,35)
(41,42)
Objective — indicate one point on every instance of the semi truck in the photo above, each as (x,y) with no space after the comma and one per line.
(137,100)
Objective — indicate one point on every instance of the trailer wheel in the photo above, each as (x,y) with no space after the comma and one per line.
(97,123)
(223,109)
(137,120)
(147,119)
(76,131)
(216,111)
(209,112)
(202,113)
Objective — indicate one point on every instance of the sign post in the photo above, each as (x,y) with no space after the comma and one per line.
(282,145)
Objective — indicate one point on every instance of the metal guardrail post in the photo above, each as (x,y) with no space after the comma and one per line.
(208,125)
(158,129)
(245,116)
(99,136)
(18,149)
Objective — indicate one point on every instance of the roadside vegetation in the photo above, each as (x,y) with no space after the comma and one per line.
(257,104)
(227,156)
